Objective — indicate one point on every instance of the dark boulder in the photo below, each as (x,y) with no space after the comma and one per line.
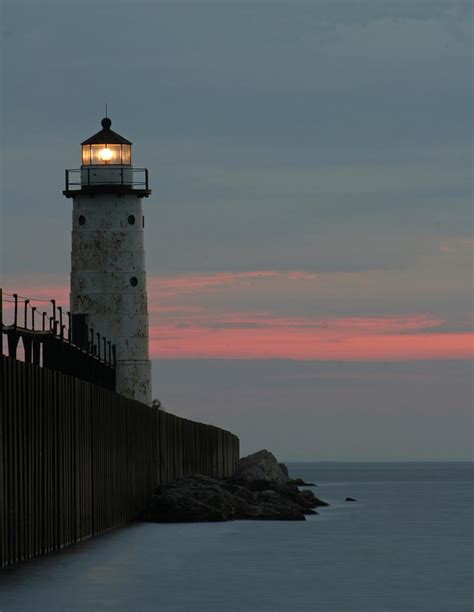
(200,498)
(260,490)
(350,499)
(269,506)
(305,499)
(284,469)
(261,465)
(192,499)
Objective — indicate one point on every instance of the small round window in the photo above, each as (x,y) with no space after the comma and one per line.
(82,220)
(131,219)
(134,281)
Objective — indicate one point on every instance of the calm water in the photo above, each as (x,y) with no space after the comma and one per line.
(406,545)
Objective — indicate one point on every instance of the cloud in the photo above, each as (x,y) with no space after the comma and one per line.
(196,316)
(207,319)
(305,344)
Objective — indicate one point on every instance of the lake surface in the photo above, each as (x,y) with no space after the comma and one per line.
(405,546)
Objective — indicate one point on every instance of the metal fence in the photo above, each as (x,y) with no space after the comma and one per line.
(186,447)
(70,347)
(77,459)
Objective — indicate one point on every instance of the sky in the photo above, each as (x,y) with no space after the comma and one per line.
(309,236)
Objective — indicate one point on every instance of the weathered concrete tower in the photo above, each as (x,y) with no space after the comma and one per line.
(108,281)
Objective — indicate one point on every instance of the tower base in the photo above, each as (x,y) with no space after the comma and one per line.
(134,380)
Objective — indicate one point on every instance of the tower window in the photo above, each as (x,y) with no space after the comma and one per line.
(134,281)
(82,220)
(131,219)
(143,221)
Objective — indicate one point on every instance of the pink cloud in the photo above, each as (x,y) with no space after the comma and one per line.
(270,343)
(179,329)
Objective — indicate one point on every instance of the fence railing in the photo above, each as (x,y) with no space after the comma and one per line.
(57,341)
(136,179)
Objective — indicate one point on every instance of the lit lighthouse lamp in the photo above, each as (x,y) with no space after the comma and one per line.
(108,278)
(106,148)
(107,160)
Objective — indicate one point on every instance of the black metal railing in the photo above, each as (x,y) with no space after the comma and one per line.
(53,338)
(130,178)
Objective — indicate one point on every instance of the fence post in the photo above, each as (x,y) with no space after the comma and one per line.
(15,316)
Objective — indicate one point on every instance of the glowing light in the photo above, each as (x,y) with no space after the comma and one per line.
(106,154)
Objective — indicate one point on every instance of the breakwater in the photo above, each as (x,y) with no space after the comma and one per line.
(77,460)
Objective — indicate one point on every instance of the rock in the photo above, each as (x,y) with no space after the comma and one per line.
(269,505)
(261,465)
(299,482)
(305,499)
(193,499)
(260,490)
(200,498)
(350,499)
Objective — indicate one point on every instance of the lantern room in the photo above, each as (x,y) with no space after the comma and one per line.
(106,148)
(106,167)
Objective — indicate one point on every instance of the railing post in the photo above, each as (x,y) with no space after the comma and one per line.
(26,314)
(60,308)
(15,315)
(91,351)
(53,302)
(68,326)
(33,312)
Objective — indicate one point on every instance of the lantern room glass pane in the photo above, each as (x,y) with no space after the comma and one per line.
(105,154)
(86,155)
(126,154)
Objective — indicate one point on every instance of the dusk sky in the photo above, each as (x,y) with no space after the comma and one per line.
(309,236)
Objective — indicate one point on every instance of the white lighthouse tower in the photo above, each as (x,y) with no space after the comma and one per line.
(108,280)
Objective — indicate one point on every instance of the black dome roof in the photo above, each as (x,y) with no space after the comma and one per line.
(106,135)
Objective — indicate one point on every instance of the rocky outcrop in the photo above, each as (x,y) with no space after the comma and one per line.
(195,498)
(261,465)
(260,490)
(200,498)
(284,469)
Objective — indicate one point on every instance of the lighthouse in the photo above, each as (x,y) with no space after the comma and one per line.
(108,280)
